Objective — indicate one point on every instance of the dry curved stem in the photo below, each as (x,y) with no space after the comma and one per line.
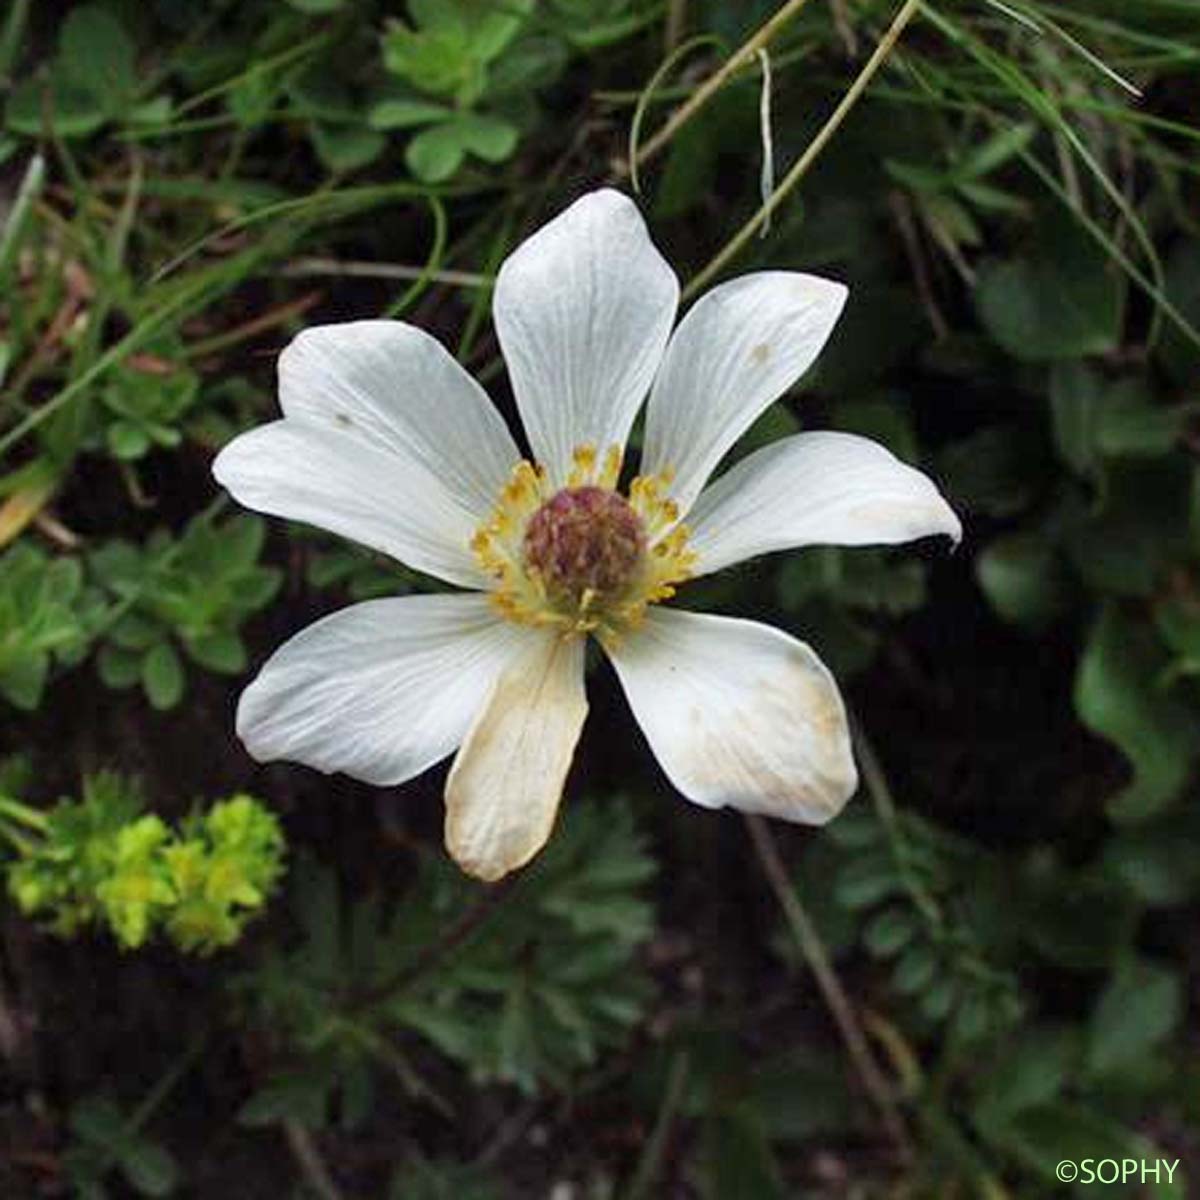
(839,1004)
(744,56)
(812,152)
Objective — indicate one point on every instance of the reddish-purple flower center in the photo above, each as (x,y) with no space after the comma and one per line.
(585,540)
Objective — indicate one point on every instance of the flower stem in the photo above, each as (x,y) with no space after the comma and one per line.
(839,1004)
(738,242)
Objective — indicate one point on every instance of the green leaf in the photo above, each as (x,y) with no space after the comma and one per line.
(297,1097)
(317,7)
(532,63)
(1021,576)
(1139,1009)
(23,678)
(1178,354)
(70,111)
(222,652)
(162,676)
(1044,1136)
(888,932)
(1031,1072)
(150,1168)
(741,1165)
(915,970)
(1178,621)
(1131,424)
(1117,695)
(95,48)
(1064,300)
(1077,919)
(118,668)
(135,632)
(435,153)
(127,441)
(489,138)
(1160,864)
(1075,391)
(995,151)
(406,114)
(97,1120)
(346,147)
(867,879)
(437,61)
(151,112)
(992,471)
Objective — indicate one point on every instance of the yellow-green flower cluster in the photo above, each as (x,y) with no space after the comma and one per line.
(100,862)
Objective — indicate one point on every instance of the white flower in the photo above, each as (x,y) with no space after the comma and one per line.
(386,440)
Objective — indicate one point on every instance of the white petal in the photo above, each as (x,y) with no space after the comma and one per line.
(341,483)
(815,489)
(381,690)
(505,785)
(739,348)
(583,309)
(739,714)
(398,389)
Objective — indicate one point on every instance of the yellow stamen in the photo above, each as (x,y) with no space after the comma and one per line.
(519,593)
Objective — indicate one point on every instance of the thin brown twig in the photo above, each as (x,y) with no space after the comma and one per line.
(279,315)
(432,952)
(815,955)
(673,28)
(309,1159)
(901,208)
(844,28)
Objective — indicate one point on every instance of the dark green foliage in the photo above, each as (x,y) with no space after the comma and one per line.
(185,186)
(192,594)
(46,615)
(534,985)
(105,1140)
